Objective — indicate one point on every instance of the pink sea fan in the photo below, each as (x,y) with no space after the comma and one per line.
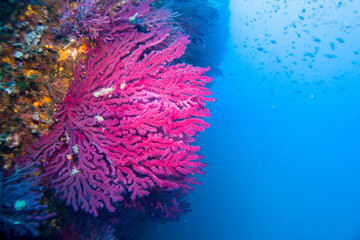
(126,125)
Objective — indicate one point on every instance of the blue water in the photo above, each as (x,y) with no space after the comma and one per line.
(284,144)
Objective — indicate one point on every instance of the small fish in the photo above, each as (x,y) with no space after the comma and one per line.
(316,50)
(330,56)
(342,89)
(273,42)
(260,49)
(319,83)
(332,45)
(340,40)
(296,92)
(317,40)
(356,52)
(309,55)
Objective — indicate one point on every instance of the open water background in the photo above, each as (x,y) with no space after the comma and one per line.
(284,144)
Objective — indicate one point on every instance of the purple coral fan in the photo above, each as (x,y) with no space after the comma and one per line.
(21,211)
(105,20)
